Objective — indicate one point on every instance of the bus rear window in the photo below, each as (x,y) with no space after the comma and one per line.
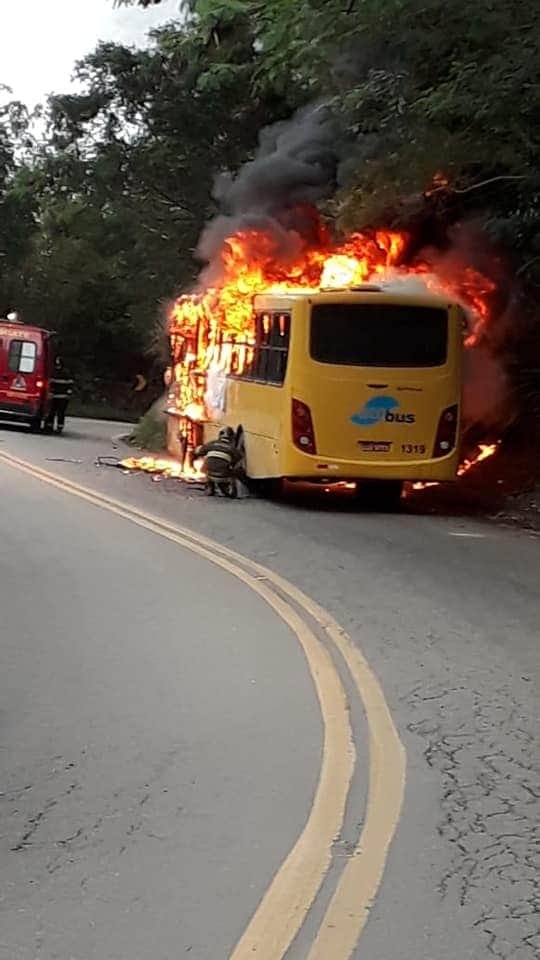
(379,335)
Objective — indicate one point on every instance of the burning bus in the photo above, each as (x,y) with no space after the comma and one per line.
(334,358)
(340,364)
(330,386)
(338,369)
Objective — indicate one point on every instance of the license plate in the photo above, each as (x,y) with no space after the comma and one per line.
(375,446)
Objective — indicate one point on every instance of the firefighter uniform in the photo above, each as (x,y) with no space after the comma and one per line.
(61,389)
(221,457)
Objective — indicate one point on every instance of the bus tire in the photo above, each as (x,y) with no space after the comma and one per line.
(379,495)
(242,464)
(264,488)
(271,487)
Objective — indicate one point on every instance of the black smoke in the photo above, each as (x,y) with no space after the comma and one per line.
(302,162)
(298,164)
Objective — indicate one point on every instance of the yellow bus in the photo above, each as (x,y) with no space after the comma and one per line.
(356,385)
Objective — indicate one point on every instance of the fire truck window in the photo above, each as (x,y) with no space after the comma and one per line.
(22,356)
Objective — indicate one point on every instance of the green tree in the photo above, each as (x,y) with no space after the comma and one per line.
(17,204)
(100,223)
(123,184)
(424,87)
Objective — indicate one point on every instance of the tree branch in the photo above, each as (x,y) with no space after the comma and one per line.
(524,267)
(477,186)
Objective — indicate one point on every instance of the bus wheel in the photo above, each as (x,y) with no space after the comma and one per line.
(243,478)
(270,487)
(382,495)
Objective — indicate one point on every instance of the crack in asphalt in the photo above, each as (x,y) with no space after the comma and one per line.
(489,811)
(129,811)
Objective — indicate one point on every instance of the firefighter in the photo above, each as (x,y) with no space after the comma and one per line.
(221,458)
(61,389)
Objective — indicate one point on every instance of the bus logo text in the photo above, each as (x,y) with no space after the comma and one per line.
(381,410)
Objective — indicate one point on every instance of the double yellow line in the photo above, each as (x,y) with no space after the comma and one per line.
(284,907)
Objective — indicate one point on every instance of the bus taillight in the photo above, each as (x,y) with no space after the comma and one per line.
(302,427)
(445,440)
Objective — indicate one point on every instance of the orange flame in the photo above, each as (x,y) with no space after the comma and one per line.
(485,450)
(438,183)
(164,467)
(213,330)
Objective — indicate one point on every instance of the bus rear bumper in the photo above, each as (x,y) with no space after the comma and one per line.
(304,467)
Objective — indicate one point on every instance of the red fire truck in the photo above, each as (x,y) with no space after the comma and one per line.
(26,363)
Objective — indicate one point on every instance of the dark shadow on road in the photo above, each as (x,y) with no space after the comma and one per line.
(14,428)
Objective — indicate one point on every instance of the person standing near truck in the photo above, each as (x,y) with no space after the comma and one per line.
(61,389)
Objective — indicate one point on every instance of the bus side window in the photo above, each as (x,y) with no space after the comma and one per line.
(263,332)
(269,364)
(279,347)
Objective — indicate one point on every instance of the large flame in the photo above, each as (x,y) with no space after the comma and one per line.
(216,326)
(213,330)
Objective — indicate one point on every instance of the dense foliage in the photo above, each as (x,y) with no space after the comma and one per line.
(100,218)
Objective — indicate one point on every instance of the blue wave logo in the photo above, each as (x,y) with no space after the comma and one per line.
(374,411)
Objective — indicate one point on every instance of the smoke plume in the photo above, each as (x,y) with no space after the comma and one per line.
(489,398)
(301,162)
(297,165)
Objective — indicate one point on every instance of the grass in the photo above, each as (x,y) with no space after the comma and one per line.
(151,432)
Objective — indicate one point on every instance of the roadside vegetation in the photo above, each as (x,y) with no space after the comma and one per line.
(150,433)
(104,192)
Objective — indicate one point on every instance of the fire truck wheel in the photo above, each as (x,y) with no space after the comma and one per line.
(35,425)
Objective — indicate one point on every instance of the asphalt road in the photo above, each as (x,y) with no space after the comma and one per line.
(105,701)
(150,785)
